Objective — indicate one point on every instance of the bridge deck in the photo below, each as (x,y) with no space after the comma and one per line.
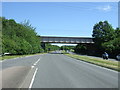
(73,40)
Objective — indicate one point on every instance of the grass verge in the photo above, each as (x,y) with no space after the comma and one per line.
(97,61)
(16,56)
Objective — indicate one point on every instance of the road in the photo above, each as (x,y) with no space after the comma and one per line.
(60,71)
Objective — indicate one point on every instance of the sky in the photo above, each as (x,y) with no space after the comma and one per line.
(67,19)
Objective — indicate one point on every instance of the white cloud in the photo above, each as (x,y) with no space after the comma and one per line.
(105,8)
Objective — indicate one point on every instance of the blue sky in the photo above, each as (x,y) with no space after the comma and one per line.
(62,18)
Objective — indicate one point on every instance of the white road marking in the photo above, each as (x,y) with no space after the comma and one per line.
(36,62)
(97,66)
(19,57)
(32,66)
(33,78)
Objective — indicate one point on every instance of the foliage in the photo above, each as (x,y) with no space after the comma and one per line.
(106,39)
(103,32)
(117,32)
(82,49)
(113,46)
(50,47)
(67,47)
(19,38)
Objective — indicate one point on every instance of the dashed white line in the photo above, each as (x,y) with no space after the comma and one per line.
(33,78)
(32,66)
(34,72)
(36,62)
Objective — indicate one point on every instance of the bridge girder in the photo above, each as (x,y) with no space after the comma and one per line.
(68,40)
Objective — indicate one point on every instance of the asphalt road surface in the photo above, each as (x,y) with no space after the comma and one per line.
(60,71)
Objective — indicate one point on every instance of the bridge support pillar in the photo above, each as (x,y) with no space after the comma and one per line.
(43,45)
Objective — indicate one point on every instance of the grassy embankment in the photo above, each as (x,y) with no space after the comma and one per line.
(16,56)
(97,61)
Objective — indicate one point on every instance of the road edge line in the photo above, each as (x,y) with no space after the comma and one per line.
(95,65)
(98,66)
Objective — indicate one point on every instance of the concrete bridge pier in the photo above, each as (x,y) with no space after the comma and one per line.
(43,45)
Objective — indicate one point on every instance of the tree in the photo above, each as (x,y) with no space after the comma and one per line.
(50,47)
(113,46)
(102,32)
(82,49)
(117,32)
(67,47)
(19,38)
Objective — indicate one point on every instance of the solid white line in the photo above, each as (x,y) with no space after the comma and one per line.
(97,66)
(33,78)
(36,62)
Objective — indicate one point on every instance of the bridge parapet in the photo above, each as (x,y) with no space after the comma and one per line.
(70,40)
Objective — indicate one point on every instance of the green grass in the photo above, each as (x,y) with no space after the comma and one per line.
(15,56)
(97,61)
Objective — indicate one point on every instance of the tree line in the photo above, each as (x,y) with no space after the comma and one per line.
(106,38)
(49,47)
(20,38)
(67,48)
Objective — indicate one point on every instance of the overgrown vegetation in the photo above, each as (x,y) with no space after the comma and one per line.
(106,38)
(19,38)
